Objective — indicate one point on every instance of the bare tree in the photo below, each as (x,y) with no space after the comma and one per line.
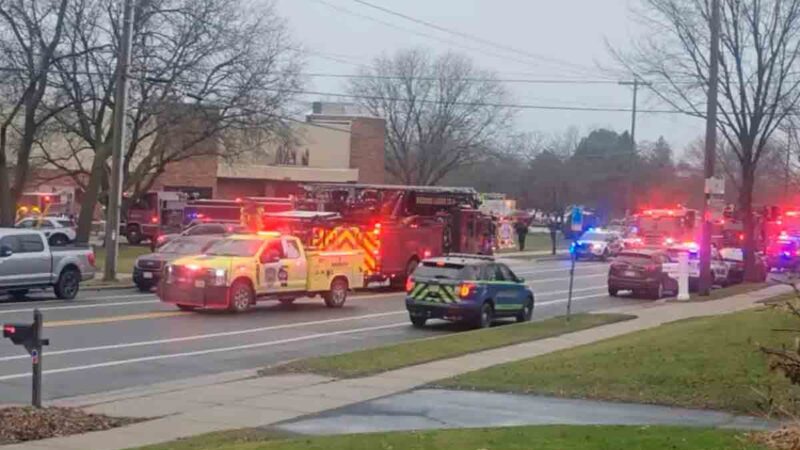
(758,83)
(30,33)
(200,69)
(442,113)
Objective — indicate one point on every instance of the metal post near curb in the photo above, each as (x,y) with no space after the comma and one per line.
(571,278)
(36,359)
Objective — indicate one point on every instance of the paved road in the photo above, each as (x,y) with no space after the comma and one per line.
(117,339)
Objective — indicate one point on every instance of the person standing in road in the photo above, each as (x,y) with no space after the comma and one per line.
(521,227)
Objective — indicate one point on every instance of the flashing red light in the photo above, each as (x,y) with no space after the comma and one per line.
(46,199)
(154,219)
(92,259)
(193,267)
(722,221)
(238,199)
(792,213)
(9,329)
(376,229)
(427,254)
(779,222)
(741,236)
(409,284)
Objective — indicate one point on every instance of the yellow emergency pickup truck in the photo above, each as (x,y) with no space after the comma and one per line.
(239,270)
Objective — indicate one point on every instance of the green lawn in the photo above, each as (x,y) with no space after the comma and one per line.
(729,291)
(126,258)
(535,242)
(711,362)
(513,438)
(390,357)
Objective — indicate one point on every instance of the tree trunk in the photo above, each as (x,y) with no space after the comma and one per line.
(89,201)
(553,238)
(7,206)
(746,206)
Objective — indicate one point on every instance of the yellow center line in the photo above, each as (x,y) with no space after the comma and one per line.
(112,319)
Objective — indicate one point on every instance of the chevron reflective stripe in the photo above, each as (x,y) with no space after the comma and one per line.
(352,238)
(434,293)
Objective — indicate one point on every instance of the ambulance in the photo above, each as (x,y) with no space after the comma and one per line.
(237,271)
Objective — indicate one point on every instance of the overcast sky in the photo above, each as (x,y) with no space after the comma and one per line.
(572,31)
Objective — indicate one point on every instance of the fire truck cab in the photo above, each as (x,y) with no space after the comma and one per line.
(155,213)
(668,227)
(399,226)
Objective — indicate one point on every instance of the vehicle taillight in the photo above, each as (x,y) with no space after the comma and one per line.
(409,284)
(465,289)
(651,267)
(161,239)
(154,219)
(91,259)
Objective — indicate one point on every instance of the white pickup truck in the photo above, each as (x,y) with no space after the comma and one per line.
(27,262)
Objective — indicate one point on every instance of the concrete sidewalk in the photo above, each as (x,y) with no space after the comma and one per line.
(238,400)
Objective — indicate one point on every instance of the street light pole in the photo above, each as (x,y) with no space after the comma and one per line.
(635,83)
(118,135)
(711,150)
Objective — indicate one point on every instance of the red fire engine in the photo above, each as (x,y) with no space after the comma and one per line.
(668,227)
(165,212)
(398,226)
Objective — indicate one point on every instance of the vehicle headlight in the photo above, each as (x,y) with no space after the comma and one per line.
(218,277)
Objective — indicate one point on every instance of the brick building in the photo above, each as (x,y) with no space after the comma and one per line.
(334,145)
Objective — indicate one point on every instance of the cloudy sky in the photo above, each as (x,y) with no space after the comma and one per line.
(554,39)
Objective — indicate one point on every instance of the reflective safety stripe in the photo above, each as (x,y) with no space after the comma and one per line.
(434,293)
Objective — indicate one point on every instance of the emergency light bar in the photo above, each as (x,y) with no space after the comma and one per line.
(470,256)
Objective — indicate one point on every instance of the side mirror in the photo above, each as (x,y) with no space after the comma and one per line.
(520,280)
(5,251)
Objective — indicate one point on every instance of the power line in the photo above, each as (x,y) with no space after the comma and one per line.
(502,80)
(461,45)
(475,38)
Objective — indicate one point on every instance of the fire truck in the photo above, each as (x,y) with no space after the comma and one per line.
(668,227)
(398,226)
(164,212)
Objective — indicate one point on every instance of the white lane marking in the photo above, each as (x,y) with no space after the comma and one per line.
(564,300)
(208,336)
(144,302)
(204,352)
(547,294)
(250,330)
(565,270)
(577,277)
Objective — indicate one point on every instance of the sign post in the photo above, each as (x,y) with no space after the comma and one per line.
(576,226)
(30,336)
(683,276)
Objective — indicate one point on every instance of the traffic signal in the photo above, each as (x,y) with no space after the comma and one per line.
(20,334)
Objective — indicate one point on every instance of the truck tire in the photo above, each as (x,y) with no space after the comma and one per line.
(133,235)
(18,294)
(337,295)
(58,240)
(418,321)
(68,284)
(242,297)
(187,308)
(612,291)
(286,301)
(144,286)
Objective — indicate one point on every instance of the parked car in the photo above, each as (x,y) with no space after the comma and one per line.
(598,244)
(200,229)
(719,268)
(469,288)
(784,254)
(58,230)
(641,271)
(28,262)
(734,257)
(148,268)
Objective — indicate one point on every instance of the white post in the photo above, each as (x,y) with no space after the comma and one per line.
(683,276)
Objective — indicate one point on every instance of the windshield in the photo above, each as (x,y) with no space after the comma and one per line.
(235,247)
(594,236)
(734,254)
(184,247)
(448,271)
(661,225)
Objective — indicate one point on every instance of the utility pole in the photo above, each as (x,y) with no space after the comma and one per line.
(118,134)
(635,83)
(788,169)
(711,150)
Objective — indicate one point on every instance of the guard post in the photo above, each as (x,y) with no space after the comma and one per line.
(30,336)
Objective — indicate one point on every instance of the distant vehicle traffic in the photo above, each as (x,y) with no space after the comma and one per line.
(237,271)
(148,268)
(466,288)
(784,253)
(28,262)
(641,271)
(667,227)
(598,244)
(199,229)
(58,230)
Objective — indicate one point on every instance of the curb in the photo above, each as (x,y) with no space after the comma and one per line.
(109,288)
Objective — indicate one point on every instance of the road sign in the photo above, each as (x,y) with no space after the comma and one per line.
(576,222)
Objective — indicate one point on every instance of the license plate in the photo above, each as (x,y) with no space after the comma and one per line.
(147,275)
(630,273)
(199,283)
